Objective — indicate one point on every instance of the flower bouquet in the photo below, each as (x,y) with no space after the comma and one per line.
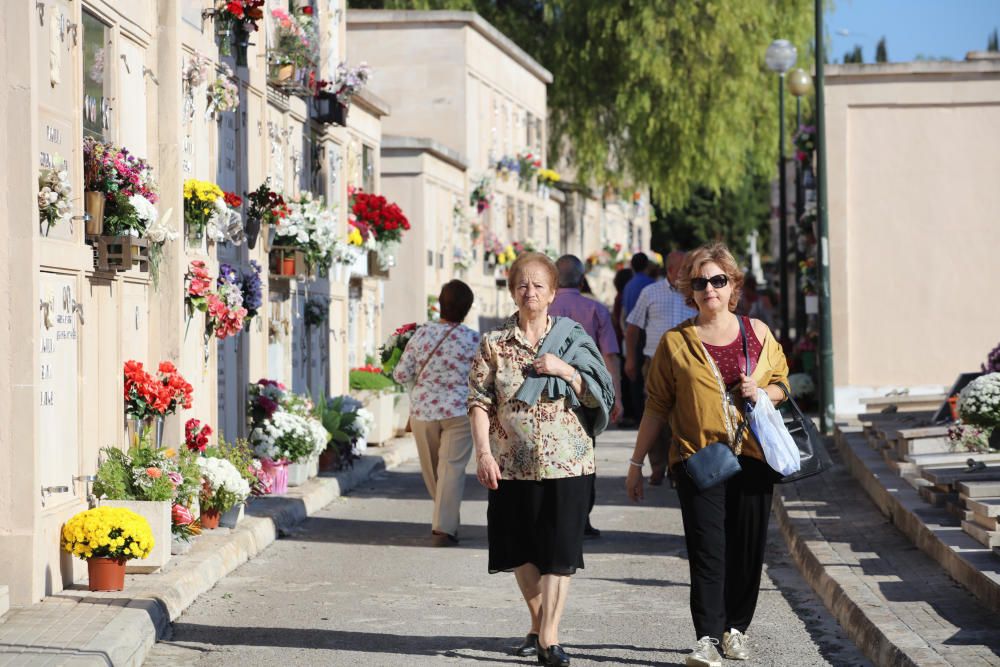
(392,349)
(149,397)
(54,193)
(979,406)
(482,194)
(106,537)
(119,189)
(199,207)
(234,21)
(311,227)
(196,435)
(264,206)
(527,166)
(506,166)
(223,487)
(223,93)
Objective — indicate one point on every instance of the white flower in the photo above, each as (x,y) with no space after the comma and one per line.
(144,209)
(223,475)
(283,436)
(362,424)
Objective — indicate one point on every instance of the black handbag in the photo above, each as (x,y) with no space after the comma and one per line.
(813,456)
(716,462)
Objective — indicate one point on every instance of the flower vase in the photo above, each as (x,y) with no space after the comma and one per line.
(137,430)
(252,229)
(210,518)
(223,34)
(241,40)
(195,237)
(278,472)
(93,204)
(106,574)
(232,516)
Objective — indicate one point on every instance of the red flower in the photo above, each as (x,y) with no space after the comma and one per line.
(235,8)
(181,515)
(233,200)
(307,10)
(196,435)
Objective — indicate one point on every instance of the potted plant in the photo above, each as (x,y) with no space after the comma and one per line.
(281,432)
(107,537)
(223,488)
(375,391)
(147,481)
(979,406)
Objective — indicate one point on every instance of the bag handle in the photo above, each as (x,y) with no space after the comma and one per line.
(431,355)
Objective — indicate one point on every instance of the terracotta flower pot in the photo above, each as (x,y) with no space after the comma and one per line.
(288,266)
(209,519)
(106,574)
(953,406)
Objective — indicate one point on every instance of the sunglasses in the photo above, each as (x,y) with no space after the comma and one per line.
(718,282)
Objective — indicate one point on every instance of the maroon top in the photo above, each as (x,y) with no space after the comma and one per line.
(730,359)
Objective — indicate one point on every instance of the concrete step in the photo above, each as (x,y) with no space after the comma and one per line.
(4,600)
(949,476)
(988,538)
(989,507)
(979,489)
(909,447)
(954,460)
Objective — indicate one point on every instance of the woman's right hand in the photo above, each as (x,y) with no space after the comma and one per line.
(487,471)
(633,483)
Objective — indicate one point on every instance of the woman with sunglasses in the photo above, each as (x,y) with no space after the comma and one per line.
(698,384)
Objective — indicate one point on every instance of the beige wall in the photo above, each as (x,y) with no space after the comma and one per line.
(913,175)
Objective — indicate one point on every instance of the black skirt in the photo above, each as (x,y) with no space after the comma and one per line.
(538,522)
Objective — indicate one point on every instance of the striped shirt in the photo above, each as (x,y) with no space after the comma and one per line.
(659,309)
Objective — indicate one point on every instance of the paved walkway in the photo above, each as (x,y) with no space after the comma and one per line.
(358,584)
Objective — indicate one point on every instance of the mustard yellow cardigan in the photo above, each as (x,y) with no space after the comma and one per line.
(681,389)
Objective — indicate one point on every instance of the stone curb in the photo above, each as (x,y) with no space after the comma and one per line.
(873,629)
(145,618)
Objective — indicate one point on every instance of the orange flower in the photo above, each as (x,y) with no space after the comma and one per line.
(155,473)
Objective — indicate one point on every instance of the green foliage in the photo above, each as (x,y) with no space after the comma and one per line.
(728,216)
(336,420)
(672,94)
(881,54)
(365,381)
(854,56)
(123,476)
(993,42)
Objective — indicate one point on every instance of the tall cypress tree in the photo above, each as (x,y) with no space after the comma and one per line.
(993,43)
(881,55)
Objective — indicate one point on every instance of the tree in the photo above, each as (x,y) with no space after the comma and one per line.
(992,43)
(881,55)
(854,56)
(670,94)
(728,216)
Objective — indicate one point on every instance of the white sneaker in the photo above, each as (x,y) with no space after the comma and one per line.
(734,645)
(704,654)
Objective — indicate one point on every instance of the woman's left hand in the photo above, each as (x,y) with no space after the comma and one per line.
(748,388)
(550,364)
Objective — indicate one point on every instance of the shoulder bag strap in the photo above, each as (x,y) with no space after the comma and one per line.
(431,355)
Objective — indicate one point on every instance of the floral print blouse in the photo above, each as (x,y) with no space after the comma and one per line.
(443,387)
(546,440)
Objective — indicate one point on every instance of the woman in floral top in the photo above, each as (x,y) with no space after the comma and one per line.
(534,446)
(436,365)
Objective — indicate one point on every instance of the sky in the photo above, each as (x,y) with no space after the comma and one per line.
(932,28)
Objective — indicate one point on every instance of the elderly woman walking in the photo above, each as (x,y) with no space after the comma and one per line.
(697,384)
(435,366)
(539,393)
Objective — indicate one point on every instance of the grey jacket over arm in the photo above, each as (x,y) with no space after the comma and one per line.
(568,341)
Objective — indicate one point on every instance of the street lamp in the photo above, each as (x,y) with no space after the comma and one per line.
(799,84)
(780,58)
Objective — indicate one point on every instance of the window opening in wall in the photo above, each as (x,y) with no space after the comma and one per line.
(430,258)
(531,223)
(529,129)
(539,139)
(97,74)
(368,168)
(304,163)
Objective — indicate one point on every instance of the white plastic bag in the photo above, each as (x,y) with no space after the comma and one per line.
(780,451)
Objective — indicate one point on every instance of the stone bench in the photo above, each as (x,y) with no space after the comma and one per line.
(904,402)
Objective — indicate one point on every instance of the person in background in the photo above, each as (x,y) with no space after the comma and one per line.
(622,276)
(435,366)
(756,303)
(660,308)
(595,319)
(539,394)
(698,384)
(644,272)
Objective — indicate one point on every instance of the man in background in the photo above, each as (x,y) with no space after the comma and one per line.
(659,309)
(595,319)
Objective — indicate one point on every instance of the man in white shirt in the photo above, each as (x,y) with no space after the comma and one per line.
(659,309)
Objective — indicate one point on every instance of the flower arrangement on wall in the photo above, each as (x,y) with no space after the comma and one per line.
(223,93)
(612,256)
(310,226)
(481,194)
(506,166)
(384,219)
(148,395)
(234,21)
(527,166)
(224,310)
(316,310)
(805,143)
(264,206)
(54,192)
(296,41)
(347,82)
(199,206)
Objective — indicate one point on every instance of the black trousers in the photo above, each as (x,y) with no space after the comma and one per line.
(725,529)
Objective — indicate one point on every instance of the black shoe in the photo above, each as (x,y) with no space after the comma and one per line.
(554,655)
(443,540)
(529,647)
(591,532)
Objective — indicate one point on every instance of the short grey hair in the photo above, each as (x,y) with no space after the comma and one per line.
(571,271)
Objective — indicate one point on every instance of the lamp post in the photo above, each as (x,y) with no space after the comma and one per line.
(799,84)
(823,231)
(780,58)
